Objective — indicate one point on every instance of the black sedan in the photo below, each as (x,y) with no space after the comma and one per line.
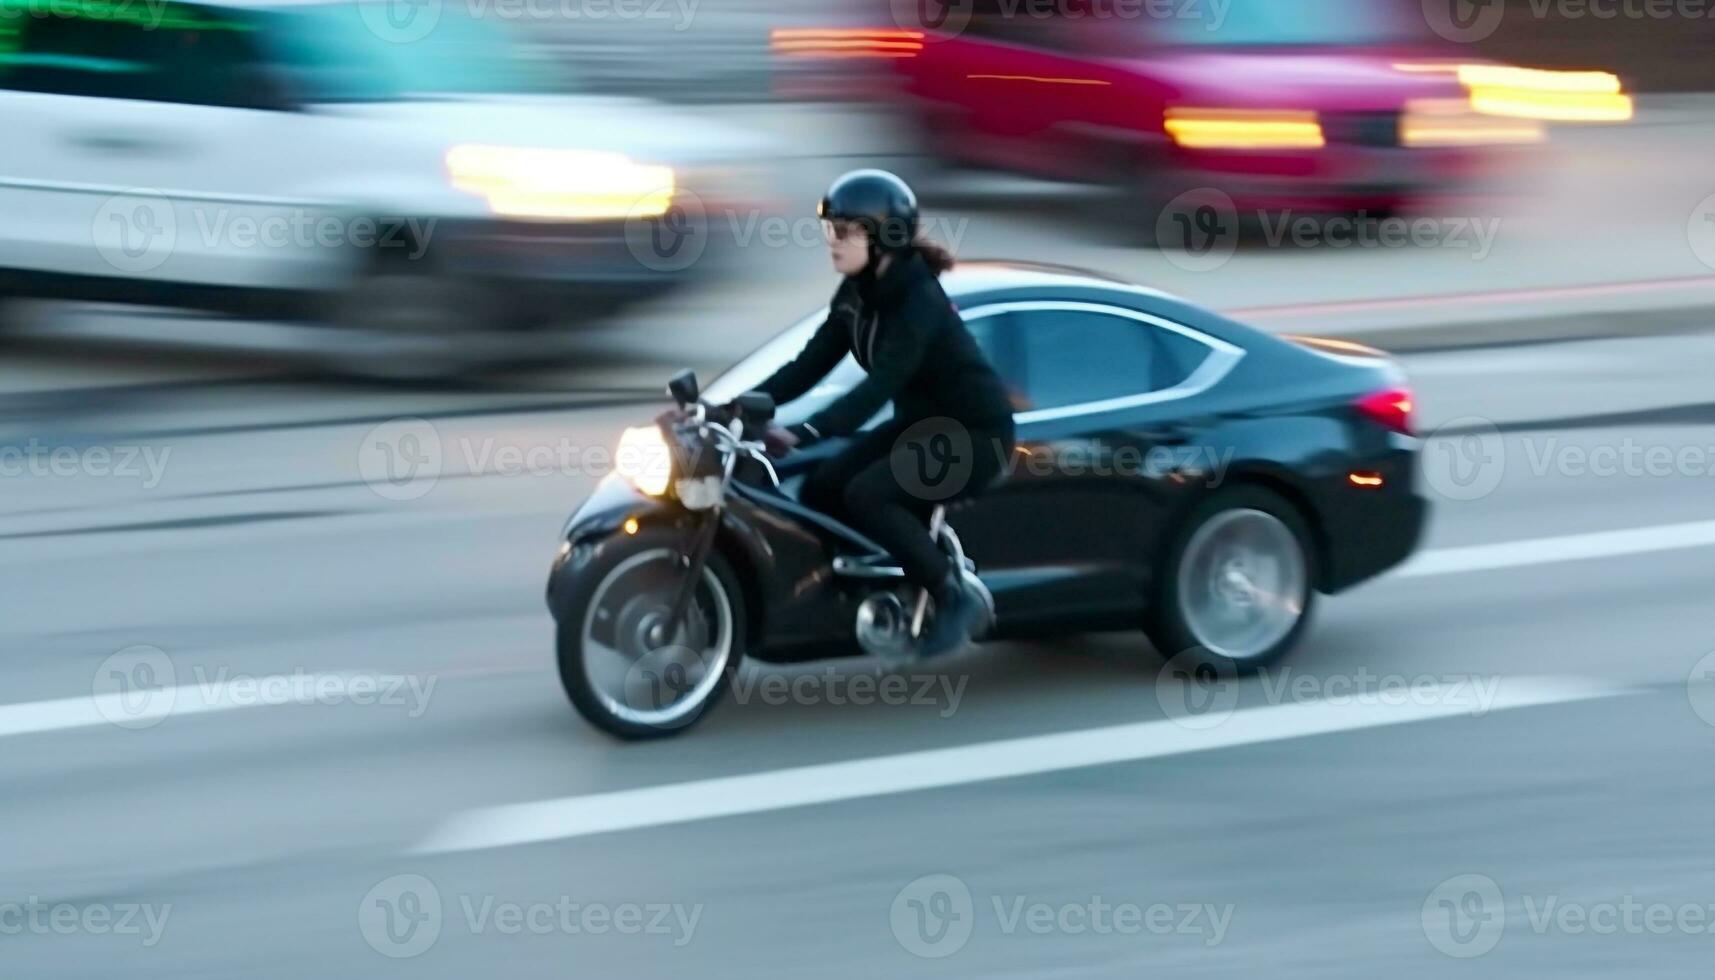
(1175,471)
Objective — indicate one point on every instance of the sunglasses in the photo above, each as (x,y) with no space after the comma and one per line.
(843,231)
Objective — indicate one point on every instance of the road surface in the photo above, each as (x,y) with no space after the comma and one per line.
(1493,762)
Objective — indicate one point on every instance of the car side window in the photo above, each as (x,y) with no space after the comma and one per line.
(171,53)
(999,343)
(1074,356)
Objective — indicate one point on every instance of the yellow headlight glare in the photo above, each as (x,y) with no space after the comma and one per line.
(1452,122)
(644,459)
(586,185)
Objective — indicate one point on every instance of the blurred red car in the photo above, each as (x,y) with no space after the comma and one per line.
(1319,105)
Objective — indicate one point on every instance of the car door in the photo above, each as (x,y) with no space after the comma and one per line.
(1107,438)
(152,149)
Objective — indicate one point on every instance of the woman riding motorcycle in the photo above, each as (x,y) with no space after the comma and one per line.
(951,432)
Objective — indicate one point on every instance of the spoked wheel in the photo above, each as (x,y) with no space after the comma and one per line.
(1237,588)
(629,671)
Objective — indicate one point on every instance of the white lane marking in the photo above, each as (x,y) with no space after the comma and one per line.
(141,709)
(1570,547)
(654,806)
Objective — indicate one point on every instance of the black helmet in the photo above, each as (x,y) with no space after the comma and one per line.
(877,201)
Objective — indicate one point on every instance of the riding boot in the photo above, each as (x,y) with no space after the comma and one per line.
(957,614)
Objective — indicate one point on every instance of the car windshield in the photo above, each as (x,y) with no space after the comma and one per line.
(353,52)
(1269,22)
(756,368)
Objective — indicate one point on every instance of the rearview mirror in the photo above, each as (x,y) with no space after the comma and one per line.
(683,387)
(755,408)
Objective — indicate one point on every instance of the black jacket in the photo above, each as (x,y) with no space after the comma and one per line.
(907,334)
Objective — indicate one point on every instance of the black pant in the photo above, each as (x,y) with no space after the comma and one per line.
(889,480)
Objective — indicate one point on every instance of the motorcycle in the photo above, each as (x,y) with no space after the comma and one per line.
(693,556)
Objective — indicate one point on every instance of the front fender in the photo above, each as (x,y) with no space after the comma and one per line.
(615,501)
(599,517)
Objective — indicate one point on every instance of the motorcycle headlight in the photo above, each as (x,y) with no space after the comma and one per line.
(644,459)
(587,185)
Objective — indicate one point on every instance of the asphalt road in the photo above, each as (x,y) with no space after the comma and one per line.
(1492,762)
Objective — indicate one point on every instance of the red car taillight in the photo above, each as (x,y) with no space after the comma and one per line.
(1390,408)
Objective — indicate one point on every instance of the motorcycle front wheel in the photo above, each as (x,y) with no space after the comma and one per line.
(626,670)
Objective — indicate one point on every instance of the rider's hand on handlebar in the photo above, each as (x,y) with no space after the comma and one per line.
(779,441)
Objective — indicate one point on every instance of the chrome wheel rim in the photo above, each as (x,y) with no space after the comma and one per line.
(639,672)
(1243,583)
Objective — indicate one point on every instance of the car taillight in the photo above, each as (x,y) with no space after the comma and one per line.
(1390,408)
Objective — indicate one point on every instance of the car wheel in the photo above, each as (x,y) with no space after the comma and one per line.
(1236,587)
(619,674)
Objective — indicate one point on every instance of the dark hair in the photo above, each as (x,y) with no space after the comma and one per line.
(938,257)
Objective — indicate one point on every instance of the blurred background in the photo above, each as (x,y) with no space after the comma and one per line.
(253,255)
